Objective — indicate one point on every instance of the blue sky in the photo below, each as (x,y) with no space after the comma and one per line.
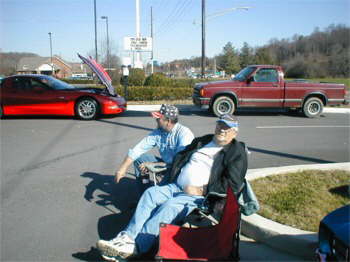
(24,24)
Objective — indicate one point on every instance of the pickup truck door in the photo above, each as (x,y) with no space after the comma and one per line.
(263,89)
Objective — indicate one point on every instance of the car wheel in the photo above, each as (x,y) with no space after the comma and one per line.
(223,105)
(313,107)
(86,109)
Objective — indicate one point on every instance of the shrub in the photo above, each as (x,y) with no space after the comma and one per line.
(157,79)
(140,93)
(182,82)
(136,77)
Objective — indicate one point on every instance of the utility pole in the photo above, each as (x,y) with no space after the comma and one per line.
(96,58)
(152,62)
(203,38)
(204,19)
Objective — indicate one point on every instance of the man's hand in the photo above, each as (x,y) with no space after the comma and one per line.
(118,175)
(156,167)
(122,169)
(143,167)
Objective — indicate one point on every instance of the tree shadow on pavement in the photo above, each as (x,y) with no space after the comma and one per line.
(125,125)
(291,156)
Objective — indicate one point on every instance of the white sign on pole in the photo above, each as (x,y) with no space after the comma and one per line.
(138,43)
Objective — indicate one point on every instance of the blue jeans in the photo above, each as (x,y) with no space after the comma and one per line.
(147,158)
(159,204)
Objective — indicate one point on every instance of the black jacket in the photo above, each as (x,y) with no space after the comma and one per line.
(229,167)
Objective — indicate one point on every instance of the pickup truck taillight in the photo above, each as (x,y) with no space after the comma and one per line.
(201,92)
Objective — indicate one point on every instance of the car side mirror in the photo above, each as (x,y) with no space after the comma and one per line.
(249,80)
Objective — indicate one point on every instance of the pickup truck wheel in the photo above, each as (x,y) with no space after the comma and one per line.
(223,105)
(313,107)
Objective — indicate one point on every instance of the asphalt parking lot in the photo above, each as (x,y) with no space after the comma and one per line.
(57,192)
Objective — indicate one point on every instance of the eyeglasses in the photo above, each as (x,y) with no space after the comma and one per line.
(223,128)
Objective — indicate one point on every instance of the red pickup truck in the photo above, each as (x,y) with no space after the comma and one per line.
(263,86)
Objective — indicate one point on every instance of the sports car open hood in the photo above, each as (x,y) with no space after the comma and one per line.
(100,72)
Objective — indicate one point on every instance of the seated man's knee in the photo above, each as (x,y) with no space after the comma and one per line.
(172,205)
(152,190)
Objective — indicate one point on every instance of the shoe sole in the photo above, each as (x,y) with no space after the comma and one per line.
(106,250)
(111,253)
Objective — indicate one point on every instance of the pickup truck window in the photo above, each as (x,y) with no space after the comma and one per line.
(244,73)
(266,75)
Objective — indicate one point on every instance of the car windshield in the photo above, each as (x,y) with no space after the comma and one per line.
(56,84)
(244,73)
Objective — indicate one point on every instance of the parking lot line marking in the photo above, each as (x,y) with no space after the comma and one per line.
(266,127)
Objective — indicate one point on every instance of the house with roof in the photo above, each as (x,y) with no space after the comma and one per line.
(42,65)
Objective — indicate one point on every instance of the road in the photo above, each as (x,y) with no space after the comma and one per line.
(58,196)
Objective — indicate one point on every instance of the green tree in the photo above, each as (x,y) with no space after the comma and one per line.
(246,56)
(263,57)
(228,60)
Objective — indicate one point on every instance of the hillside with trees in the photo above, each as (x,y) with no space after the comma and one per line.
(9,61)
(321,54)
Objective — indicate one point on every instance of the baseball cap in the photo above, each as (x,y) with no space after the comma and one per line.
(169,111)
(229,120)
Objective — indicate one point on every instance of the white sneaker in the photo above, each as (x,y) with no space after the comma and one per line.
(121,246)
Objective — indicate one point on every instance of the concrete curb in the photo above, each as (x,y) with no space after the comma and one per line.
(193,108)
(291,240)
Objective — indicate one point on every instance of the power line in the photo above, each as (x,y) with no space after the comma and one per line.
(168,19)
(177,14)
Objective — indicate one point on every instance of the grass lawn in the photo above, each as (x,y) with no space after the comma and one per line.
(302,199)
(345,81)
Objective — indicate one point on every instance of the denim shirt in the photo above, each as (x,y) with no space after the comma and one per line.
(168,143)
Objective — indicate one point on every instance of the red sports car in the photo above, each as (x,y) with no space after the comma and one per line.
(45,95)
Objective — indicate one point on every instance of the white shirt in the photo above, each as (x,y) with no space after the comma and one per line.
(197,171)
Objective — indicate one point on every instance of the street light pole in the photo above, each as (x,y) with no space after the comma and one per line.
(96,58)
(106,17)
(52,68)
(203,38)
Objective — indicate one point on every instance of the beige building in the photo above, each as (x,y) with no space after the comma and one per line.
(59,67)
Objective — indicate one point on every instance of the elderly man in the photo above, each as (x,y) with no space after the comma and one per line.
(170,137)
(209,164)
